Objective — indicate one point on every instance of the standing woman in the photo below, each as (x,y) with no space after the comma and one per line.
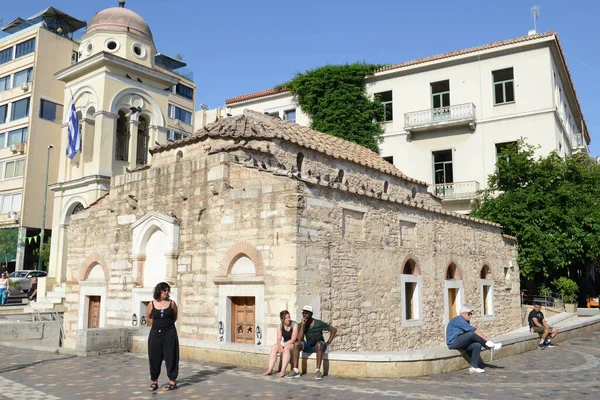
(163,343)
(4,286)
(287,333)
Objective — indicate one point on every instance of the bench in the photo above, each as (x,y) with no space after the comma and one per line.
(592,302)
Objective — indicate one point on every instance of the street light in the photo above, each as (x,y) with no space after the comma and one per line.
(40,260)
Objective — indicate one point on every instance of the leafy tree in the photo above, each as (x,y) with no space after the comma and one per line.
(334,97)
(45,253)
(552,206)
(9,238)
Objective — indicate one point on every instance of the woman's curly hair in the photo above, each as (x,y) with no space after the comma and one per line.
(159,288)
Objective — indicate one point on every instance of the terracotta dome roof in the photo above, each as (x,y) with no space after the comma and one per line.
(119,19)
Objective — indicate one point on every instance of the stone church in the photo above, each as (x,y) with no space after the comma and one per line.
(252,215)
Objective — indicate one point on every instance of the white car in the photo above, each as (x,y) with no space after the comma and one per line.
(23,278)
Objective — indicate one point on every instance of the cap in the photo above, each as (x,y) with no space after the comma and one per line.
(465,309)
(307,308)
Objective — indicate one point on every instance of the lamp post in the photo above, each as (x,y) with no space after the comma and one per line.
(40,260)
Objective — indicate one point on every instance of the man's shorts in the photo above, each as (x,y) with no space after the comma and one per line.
(307,347)
(540,329)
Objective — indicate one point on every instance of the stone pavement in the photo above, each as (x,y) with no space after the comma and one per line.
(569,371)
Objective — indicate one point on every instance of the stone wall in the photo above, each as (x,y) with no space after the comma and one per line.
(354,278)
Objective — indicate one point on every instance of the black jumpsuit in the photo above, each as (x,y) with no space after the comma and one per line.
(163,343)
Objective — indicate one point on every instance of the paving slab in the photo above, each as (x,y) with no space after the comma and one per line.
(568,371)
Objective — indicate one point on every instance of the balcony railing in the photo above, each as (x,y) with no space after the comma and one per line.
(452,115)
(578,142)
(455,190)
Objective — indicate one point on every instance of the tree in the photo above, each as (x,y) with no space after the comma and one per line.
(552,206)
(9,238)
(45,253)
(334,97)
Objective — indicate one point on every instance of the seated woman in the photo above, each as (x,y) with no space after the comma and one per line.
(287,333)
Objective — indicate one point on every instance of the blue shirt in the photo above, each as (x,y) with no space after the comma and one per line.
(457,326)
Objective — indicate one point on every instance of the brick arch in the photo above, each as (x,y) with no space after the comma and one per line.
(238,250)
(457,271)
(89,263)
(416,265)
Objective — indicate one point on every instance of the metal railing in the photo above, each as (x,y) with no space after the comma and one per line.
(546,299)
(432,116)
(578,142)
(455,190)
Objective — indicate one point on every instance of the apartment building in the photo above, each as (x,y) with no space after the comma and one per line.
(448,116)
(31,114)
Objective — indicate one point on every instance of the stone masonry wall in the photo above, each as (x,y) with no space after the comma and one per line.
(356,277)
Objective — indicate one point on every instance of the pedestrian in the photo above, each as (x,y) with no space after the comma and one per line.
(3,269)
(4,287)
(163,343)
(461,335)
(32,293)
(314,342)
(538,324)
(287,334)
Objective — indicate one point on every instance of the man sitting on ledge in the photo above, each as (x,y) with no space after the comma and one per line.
(461,335)
(538,324)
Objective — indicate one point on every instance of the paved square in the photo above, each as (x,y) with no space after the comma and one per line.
(569,371)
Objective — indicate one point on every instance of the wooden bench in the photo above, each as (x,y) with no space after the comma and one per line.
(592,302)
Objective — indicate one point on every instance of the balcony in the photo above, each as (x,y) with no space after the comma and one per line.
(578,143)
(443,117)
(455,190)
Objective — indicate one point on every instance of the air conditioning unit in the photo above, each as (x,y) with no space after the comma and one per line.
(25,86)
(20,147)
(13,148)
(177,122)
(13,215)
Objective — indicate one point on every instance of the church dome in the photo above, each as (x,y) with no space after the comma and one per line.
(119,19)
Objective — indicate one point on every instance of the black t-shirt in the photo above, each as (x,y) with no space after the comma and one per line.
(535,314)
(32,288)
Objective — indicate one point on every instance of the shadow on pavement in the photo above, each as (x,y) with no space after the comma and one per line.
(202,376)
(33,363)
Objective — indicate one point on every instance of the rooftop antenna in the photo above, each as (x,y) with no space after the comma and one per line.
(535,11)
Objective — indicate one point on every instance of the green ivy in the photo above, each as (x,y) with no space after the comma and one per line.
(334,97)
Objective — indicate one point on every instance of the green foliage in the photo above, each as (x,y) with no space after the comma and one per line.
(551,204)
(334,97)
(45,252)
(15,285)
(545,291)
(8,243)
(567,287)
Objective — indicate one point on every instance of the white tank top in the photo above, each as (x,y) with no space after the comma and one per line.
(3,283)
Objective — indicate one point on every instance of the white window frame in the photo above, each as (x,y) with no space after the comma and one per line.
(11,196)
(4,167)
(490,300)
(453,284)
(418,321)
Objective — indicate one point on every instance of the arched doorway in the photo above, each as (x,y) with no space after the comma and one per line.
(92,293)
(155,265)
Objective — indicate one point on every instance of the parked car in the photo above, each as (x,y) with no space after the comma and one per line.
(23,278)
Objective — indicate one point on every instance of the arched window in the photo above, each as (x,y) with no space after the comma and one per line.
(340,176)
(142,141)
(453,291)
(486,284)
(178,156)
(411,294)
(385,187)
(451,271)
(122,144)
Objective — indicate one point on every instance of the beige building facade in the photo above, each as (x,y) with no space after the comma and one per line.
(448,116)
(128,98)
(253,215)
(31,114)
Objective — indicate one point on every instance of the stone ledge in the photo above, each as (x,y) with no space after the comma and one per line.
(378,364)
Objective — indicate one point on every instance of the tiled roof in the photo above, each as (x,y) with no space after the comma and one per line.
(255,125)
(465,51)
(256,95)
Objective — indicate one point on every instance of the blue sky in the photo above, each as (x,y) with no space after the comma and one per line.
(242,46)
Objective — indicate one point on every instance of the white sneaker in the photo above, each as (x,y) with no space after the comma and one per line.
(497,346)
(492,345)
(476,370)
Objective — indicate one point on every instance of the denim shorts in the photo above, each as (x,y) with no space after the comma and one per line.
(308,348)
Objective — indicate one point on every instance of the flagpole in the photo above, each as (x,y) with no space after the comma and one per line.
(40,260)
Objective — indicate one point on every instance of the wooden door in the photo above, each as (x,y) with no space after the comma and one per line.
(242,314)
(452,296)
(94,312)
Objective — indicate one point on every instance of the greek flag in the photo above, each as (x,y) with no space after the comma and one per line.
(74,144)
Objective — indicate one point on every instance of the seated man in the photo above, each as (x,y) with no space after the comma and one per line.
(311,330)
(538,324)
(461,335)
(32,293)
